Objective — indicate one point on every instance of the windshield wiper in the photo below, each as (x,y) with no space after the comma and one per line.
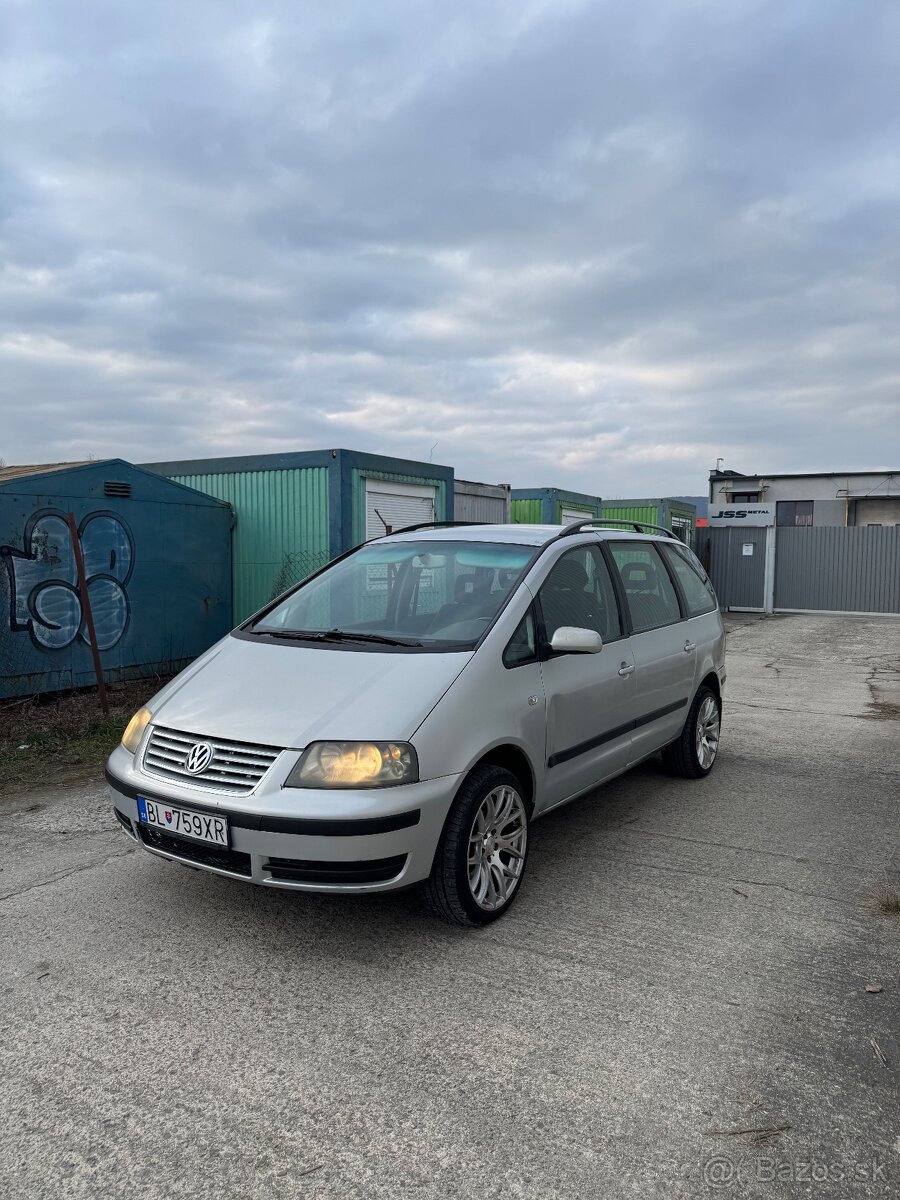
(293,635)
(348,635)
(333,635)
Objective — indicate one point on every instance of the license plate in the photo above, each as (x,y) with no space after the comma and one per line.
(199,827)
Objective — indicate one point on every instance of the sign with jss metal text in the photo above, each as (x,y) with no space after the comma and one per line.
(741,515)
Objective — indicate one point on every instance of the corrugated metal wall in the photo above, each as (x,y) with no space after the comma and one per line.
(632,512)
(281,533)
(487,503)
(837,568)
(670,514)
(526,512)
(739,579)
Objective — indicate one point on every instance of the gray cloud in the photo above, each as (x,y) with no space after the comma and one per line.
(579,244)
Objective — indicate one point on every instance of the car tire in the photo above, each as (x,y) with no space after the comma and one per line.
(481,856)
(694,753)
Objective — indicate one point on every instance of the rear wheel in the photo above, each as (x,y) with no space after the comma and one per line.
(481,856)
(693,754)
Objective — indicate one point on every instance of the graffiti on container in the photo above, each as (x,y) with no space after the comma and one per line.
(43,579)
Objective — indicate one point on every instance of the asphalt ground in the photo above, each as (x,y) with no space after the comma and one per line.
(675,1006)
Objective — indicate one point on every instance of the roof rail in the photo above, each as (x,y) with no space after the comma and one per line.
(435,525)
(593,522)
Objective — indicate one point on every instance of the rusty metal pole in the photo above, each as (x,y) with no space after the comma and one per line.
(86,608)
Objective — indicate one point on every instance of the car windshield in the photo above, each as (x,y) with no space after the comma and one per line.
(430,595)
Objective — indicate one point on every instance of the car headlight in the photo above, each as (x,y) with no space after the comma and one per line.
(134,730)
(354,765)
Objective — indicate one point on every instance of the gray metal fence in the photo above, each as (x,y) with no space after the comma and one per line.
(837,568)
(737,576)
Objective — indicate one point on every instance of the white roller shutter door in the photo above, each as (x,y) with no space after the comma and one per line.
(880,510)
(396,505)
(573,514)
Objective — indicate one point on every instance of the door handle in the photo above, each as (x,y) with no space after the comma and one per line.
(689,646)
(626,669)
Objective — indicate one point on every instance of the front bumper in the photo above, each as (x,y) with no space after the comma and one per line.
(308,840)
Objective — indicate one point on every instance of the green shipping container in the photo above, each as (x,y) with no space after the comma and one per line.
(550,506)
(676,515)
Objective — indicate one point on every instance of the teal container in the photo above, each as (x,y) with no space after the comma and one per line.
(281,527)
(295,512)
(157,558)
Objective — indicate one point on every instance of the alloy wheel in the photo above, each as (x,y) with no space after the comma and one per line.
(496,851)
(708,723)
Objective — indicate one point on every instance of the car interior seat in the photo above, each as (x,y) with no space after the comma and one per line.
(469,591)
(639,577)
(642,586)
(565,601)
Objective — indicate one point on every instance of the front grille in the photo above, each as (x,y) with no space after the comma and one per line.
(306,870)
(198,852)
(235,767)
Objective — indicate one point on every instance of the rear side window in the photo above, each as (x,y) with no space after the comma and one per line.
(698,593)
(651,596)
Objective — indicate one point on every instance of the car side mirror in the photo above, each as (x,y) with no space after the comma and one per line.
(568,639)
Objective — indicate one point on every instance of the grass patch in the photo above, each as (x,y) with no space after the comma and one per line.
(65,737)
(44,757)
(886,898)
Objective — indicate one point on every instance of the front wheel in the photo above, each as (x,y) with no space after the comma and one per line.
(481,856)
(693,754)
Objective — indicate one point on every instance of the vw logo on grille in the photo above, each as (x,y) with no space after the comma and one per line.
(198,758)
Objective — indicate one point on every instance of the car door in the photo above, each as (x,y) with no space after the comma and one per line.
(663,651)
(704,625)
(589,697)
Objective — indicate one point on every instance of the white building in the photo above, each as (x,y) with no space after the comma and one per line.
(826,498)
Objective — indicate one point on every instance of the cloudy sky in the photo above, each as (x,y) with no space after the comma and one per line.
(589,245)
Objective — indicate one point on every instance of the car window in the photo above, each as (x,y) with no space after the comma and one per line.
(431,592)
(578,591)
(522,647)
(698,592)
(651,595)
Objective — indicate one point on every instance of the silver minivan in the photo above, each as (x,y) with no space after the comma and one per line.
(402,716)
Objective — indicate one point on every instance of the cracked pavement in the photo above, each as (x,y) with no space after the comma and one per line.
(675,1006)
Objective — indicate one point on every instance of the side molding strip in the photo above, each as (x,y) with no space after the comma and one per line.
(611,734)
